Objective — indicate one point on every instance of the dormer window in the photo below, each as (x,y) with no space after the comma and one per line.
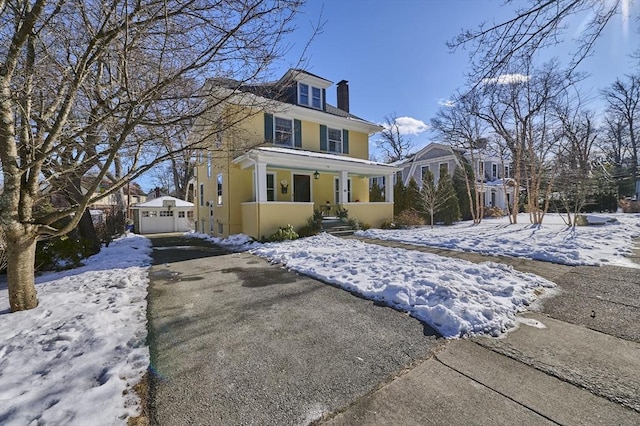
(316,99)
(303,90)
(309,96)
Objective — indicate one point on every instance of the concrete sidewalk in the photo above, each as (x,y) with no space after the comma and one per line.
(466,383)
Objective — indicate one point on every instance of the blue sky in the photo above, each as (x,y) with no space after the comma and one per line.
(394,56)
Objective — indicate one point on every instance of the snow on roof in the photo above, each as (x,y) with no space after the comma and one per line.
(314,154)
(159,202)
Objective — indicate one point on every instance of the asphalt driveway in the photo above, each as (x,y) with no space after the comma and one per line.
(235,340)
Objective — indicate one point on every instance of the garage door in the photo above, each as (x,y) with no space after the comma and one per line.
(156,225)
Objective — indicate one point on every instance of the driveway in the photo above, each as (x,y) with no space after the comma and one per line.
(235,340)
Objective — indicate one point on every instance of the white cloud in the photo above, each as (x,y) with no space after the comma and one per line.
(446,103)
(410,126)
(507,79)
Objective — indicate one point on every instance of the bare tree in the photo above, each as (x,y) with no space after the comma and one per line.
(574,178)
(623,111)
(520,112)
(502,48)
(90,85)
(460,126)
(394,144)
(434,198)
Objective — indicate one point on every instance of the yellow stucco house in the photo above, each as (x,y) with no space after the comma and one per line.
(291,154)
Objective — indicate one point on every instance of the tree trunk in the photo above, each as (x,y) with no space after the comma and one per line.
(21,256)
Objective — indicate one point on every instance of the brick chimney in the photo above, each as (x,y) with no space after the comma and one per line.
(343,95)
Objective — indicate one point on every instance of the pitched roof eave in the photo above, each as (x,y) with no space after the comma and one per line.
(309,160)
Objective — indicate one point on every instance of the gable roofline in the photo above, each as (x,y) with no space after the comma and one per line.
(296,74)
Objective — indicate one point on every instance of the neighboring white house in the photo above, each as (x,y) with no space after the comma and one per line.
(492,172)
(163,214)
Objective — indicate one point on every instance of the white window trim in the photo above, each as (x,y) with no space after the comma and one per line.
(293,131)
(329,140)
(494,171)
(310,97)
(300,84)
(219,188)
(275,193)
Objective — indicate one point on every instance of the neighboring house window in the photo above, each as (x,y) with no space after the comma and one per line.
(166,213)
(398,177)
(316,98)
(423,171)
(494,171)
(219,180)
(337,190)
(335,140)
(507,172)
(181,215)
(303,94)
(444,169)
(209,164)
(145,213)
(271,187)
(284,131)
(153,213)
(220,228)
(201,194)
(190,215)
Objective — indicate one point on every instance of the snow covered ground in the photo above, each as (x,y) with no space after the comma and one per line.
(68,361)
(456,297)
(605,244)
(74,359)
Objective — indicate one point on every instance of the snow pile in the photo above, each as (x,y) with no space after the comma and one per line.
(455,297)
(236,242)
(553,241)
(69,360)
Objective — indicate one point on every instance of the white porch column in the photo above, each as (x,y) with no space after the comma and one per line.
(342,187)
(261,182)
(388,189)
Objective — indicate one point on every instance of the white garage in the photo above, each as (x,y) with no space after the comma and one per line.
(163,214)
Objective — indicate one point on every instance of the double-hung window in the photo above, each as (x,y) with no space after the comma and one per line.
(271,187)
(303,94)
(423,171)
(316,98)
(335,140)
(494,171)
(284,131)
(507,171)
(219,182)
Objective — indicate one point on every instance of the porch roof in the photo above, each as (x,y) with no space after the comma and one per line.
(310,160)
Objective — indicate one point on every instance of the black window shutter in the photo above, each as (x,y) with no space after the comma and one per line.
(268,127)
(323,138)
(297,133)
(345,141)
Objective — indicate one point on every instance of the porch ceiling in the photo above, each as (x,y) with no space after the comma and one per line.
(309,160)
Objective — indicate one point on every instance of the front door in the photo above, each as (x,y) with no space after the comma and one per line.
(302,188)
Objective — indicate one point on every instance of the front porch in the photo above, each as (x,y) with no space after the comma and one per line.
(288,185)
